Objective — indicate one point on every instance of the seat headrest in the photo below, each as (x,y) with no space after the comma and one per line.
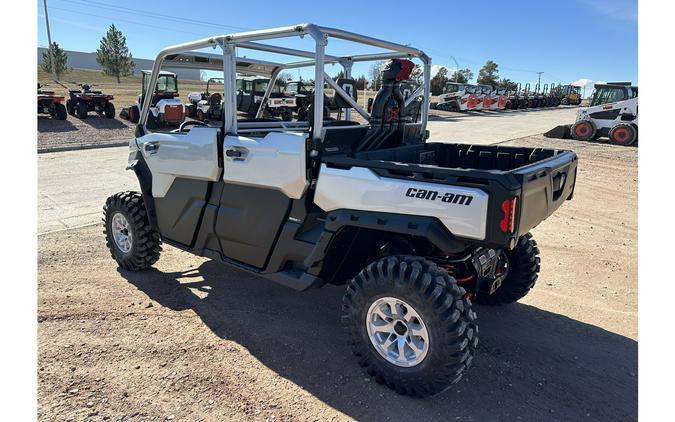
(397,70)
(349,86)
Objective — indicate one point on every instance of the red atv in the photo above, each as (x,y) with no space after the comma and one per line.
(48,103)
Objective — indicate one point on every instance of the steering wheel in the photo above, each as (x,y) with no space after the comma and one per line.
(190,123)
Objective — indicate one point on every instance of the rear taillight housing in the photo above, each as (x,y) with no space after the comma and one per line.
(508,222)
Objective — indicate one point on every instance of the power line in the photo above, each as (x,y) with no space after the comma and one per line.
(154,15)
(147,25)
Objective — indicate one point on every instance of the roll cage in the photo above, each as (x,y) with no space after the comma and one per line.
(184,56)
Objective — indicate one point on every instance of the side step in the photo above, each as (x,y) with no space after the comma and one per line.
(295,279)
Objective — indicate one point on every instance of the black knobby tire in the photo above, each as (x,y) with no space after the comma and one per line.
(70,108)
(81,110)
(623,134)
(583,130)
(61,113)
(523,271)
(146,244)
(441,303)
(109,110)
(134,114)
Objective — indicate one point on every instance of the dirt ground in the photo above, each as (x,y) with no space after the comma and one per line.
(194,340)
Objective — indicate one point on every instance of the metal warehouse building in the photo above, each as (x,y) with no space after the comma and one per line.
(81,60)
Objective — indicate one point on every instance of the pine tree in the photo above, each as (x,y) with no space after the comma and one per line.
(489,74)
(113,54)
(461,76)
(60,61)
(439,81)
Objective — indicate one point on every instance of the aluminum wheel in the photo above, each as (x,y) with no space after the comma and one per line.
(121,232)
(397,332)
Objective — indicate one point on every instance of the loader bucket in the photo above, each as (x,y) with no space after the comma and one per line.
(559,132)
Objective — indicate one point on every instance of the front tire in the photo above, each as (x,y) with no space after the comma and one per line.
(109,110)
(523,271)
(132,242)
(583,130)
(81,110)
(410,325)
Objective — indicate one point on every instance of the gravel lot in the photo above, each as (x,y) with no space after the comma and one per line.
(194,340)
(75,133)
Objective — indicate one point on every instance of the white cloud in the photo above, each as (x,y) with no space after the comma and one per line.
(436,67)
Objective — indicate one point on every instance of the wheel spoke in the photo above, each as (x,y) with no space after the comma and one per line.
(400,343)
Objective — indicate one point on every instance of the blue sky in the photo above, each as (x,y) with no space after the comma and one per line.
(567,40)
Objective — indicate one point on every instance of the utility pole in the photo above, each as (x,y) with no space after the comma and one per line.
(539,80)
(49,39)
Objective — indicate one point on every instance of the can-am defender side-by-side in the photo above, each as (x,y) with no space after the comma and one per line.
(250,93)
(82,101)
(416,231)
(165,107)
(49,103)
(613,112)
(206,105)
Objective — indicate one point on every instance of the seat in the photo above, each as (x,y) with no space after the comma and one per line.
(388,105)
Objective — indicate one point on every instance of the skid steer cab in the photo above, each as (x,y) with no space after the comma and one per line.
(165,108)
(416,231)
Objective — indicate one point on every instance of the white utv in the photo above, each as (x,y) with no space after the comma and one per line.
(417,231)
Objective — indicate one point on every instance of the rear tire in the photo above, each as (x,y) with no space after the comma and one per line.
(523,271)
(623,134)
(109,110)
(426,299)
(81,110)
(142,245)
(61,113)
(583,130)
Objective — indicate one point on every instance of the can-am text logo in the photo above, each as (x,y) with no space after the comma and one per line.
(432,195)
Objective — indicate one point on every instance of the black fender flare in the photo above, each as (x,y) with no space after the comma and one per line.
(144,176)
(429,228)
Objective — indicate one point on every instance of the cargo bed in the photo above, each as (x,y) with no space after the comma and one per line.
(533,181)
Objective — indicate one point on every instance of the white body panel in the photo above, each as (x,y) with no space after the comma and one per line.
(629,106)
(276,161)
(360,189)
(193,155)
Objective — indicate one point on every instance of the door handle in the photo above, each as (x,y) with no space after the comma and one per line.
(151,147)
(236,153)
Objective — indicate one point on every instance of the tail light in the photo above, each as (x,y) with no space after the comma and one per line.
(175,94)
(508,222)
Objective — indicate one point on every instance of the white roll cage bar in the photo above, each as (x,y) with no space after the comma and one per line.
(181,55)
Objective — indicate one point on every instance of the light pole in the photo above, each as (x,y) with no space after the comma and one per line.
(49,39)
(456,68)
